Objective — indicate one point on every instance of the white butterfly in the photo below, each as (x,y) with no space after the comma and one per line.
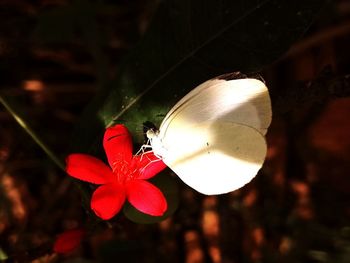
(213,138)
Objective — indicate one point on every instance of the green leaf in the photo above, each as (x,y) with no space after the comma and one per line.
(168,186)
(188,42)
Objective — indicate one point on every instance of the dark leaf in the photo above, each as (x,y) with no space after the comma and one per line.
(190,42)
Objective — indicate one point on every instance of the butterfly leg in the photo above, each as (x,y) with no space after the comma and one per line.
(150,161)
(143,149)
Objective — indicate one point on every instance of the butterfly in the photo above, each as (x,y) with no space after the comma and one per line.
(214,137)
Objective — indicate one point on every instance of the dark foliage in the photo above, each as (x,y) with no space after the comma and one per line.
(69,68)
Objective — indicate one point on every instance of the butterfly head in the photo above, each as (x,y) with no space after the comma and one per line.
(156,143)
(152,133)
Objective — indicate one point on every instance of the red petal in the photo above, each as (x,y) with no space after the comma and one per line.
(146,198)
(107,200)
(88,168)
(117,144)
(68,241)
(149,165)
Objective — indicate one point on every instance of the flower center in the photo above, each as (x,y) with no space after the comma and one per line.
(125,171)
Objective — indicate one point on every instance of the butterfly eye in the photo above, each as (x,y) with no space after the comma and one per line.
(150,134)
(147,125)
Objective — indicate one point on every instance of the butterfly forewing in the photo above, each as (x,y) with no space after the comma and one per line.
(244,101)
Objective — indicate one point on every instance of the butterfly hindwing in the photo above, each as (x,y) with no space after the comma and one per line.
(215,157)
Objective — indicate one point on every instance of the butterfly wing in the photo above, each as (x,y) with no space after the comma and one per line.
(214,157)
(213,138)
(245,101)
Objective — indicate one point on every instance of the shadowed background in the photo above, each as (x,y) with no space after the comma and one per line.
(68,68)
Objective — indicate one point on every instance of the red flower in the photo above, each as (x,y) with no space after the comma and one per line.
(69,240)
(124,179)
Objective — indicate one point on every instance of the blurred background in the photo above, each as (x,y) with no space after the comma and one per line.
(296,210)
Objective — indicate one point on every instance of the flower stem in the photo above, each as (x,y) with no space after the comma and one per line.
(32,134)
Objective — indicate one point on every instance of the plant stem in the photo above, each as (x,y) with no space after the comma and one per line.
(32,134)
